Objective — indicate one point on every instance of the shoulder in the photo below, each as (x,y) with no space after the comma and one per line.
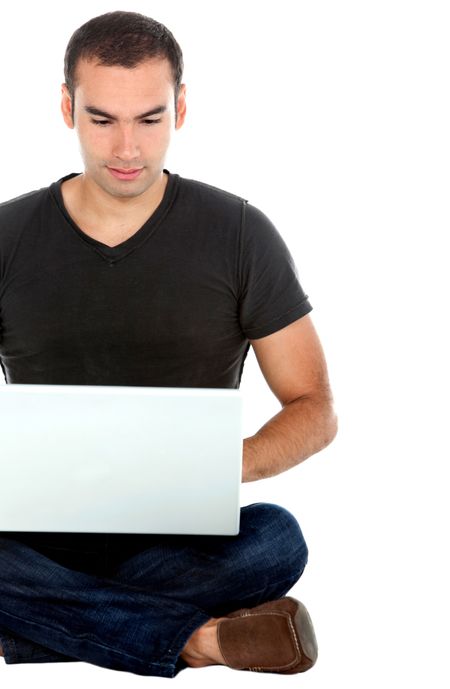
(221,203)
(18,209)
(230,209)
(214,197)
(24,200)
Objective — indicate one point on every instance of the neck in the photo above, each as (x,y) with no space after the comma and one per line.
(115,209)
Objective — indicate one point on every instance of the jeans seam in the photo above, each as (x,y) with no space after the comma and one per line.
(96,643)
(172,656)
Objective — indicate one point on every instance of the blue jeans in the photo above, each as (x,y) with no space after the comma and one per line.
(131,601)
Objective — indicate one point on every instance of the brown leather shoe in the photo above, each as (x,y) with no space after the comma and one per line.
(277,636)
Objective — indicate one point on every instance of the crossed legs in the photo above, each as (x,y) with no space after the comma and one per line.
(155,611)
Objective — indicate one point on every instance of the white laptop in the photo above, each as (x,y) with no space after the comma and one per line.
(118,459)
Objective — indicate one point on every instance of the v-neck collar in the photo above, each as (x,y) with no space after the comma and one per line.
(114,253)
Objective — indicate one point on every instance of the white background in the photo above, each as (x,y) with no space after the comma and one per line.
(333,118)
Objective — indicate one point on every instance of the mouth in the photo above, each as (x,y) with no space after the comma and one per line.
(126,174)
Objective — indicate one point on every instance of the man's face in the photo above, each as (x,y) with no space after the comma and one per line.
(113,125)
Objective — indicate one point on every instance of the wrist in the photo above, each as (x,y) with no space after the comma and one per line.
(249,460)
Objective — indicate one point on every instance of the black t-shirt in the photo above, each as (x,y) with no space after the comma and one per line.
(173,305)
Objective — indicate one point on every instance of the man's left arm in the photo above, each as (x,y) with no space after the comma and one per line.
(293,364)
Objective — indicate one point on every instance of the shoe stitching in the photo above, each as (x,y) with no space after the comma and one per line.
(260,668)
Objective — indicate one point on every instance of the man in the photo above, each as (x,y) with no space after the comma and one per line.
(127,274)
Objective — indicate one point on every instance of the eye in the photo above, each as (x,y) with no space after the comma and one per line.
(103,123)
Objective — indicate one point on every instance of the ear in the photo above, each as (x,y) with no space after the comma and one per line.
(66,106)
(181,106)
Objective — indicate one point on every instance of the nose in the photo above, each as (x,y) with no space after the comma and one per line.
(125,146)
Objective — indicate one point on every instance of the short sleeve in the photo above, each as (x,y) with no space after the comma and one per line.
(271,296)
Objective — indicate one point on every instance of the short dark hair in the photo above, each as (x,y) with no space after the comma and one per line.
(125,39)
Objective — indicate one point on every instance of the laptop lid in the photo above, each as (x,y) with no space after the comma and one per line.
(117,459)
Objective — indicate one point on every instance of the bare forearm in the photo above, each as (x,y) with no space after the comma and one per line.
(299,430)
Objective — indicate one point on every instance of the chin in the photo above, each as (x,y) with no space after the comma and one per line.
(123,189)
(125,193)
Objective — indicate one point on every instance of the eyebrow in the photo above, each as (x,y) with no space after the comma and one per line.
(101,113)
